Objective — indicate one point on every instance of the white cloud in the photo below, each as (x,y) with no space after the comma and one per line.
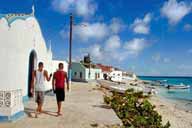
(187,27)
(156,57)
(99,54)
(175,11)
(113,43)
(141,26)
(159,59)
(79,7)
(96,31)
(136,45)
(96,52)
(116,25)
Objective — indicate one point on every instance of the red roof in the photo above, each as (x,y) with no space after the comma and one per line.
(105,68)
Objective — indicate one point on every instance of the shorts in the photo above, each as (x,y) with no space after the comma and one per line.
(60,95)
(39,97)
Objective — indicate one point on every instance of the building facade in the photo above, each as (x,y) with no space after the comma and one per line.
(106,70)
(22,46)
(82,73)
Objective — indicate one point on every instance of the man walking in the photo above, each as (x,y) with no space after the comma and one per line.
(58,83)
(39,77)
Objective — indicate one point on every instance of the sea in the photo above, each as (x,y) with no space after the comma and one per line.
(183,97)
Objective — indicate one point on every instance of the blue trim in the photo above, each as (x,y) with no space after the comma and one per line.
(12,17)
(14,117)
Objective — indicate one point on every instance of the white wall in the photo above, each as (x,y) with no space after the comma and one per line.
(16,43)
(92,73)
(52,68)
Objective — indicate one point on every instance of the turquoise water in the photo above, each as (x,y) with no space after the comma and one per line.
(176,94)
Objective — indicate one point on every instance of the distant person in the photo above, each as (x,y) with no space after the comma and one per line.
(39,77)
(58,83)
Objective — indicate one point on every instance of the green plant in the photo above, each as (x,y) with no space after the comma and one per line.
(135,110)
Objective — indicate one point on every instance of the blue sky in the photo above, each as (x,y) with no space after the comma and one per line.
(149,37)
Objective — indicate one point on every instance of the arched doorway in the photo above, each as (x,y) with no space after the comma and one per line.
(32,67)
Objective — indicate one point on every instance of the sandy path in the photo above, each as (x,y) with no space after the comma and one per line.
(82,109)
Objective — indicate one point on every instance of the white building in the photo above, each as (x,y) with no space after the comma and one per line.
(116,76)
(128,76)
(22,46)
(80,72)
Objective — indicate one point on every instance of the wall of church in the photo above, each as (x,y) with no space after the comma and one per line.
(16,43)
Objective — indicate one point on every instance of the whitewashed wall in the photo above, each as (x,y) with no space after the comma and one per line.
(16,43)
(92,73)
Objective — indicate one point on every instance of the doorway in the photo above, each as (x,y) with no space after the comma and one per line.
(32,67)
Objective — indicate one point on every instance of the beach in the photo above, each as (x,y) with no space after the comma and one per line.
(177,111)
(174,105)
(171,110)
(178,118)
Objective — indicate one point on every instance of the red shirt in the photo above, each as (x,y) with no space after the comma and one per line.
(60,77)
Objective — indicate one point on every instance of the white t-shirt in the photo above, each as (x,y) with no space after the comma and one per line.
(40,81)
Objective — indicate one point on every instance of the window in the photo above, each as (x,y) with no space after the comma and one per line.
(75,73)
(98,75)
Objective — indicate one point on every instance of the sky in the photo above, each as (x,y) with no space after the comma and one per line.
(148,37)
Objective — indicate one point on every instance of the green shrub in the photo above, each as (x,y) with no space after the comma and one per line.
(135,110)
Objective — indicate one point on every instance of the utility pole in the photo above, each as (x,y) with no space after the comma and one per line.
(70,48)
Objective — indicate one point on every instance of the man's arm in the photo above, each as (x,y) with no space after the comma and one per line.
(46,76)
(53,82)
(67,80)
(32,82)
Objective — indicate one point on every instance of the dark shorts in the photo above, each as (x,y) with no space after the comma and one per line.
(39,96)
(60,95)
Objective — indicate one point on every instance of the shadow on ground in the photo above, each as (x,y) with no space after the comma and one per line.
(31,112)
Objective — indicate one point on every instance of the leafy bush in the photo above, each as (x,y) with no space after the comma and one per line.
(135,110)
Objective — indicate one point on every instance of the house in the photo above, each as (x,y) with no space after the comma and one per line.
(106,70)
(81,72)
(22,47)
(111,73)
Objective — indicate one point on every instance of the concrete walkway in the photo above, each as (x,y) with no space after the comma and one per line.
(83,108)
